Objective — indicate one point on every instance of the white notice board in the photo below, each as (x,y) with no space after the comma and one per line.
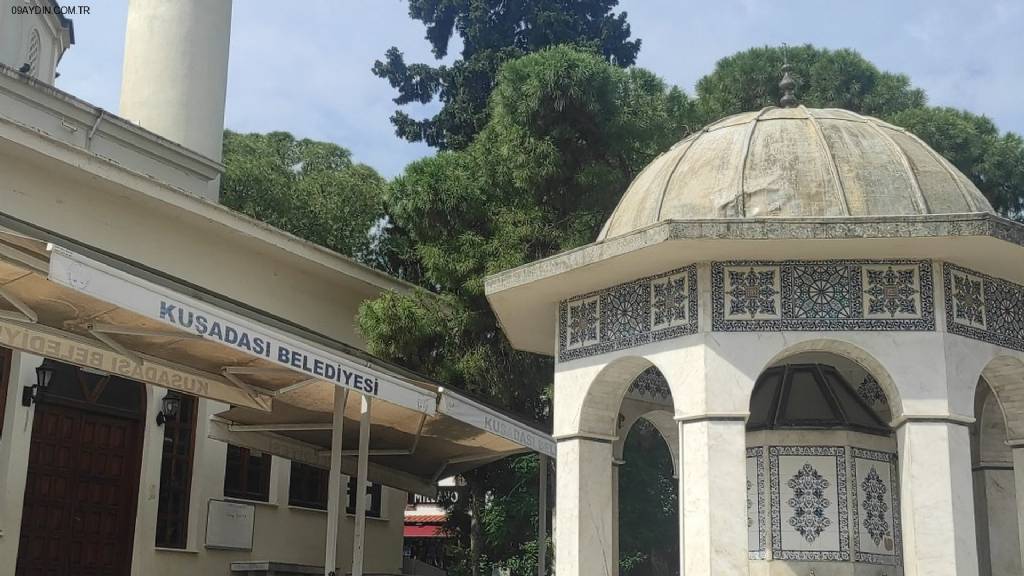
(229,525)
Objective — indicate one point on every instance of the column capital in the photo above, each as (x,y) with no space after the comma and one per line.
(932,419)
(588,436)
(713,417)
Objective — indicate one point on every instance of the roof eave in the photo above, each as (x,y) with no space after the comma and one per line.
(527,296)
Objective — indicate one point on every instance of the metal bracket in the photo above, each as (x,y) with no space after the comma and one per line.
(24,313)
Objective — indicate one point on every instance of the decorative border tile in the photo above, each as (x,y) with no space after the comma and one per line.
(895,559)
(823,295)
(761,553)
(839,453)
(647,310)
(997,319)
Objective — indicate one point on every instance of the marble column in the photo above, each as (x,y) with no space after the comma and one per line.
(1018,480)
(712,484)
(616,464)
(937,498)
(584,526)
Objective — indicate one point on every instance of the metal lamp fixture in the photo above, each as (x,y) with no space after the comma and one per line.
(30,394)
(169,407)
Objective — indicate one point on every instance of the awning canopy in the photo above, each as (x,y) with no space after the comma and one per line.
(69,302)
(425,531)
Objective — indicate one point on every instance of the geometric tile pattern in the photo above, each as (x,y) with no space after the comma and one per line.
(628,315)
(757,529)
(829,295)
(870,391)
(752,293)
(809,514)
(876,508)
(650,386)
(892,290)
(809,502)
(583,323)
(984,308)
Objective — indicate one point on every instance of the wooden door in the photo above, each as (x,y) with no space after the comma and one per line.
(81,492)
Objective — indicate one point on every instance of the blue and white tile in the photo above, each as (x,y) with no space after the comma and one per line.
(876,531)
(756,528)
(809,513)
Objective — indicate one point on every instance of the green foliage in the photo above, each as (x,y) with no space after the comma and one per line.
(493,32)
(567,133)
(311,189)
(993,161)
(648,505)
(749,80)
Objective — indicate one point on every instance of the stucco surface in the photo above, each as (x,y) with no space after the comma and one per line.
(795,162)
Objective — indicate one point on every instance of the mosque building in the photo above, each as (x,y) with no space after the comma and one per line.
(182,388)
(824,319)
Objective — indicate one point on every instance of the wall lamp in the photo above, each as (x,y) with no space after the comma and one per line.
(169,407)
(31,394)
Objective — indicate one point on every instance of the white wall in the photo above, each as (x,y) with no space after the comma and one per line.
(282,533)
(14,448)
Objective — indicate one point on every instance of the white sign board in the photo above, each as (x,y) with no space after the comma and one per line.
(229,525)
(484,418)
(43,341)
(212,323)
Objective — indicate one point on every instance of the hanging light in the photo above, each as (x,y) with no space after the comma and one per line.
(169,407)
(31,394)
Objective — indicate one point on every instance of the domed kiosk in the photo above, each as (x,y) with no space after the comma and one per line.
(832,315)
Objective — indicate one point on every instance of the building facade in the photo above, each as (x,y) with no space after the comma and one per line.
(182,388)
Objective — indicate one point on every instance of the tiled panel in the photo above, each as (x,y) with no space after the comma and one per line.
(809,514)
(983,307)
(647,310)
(829,295)
(757,529)
(876,512)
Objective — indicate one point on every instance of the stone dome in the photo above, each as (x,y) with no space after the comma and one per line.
(795,162)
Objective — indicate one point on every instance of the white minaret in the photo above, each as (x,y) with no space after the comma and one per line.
(176,70)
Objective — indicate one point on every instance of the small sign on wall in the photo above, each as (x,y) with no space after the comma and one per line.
(229,525)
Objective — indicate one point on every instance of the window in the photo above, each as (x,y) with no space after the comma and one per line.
(5,375)
(373,503)
(176,474)
(247,474)
(32,53)
(308,487)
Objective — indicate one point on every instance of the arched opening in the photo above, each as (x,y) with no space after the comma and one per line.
(995,498)
(822,476)
(646,461)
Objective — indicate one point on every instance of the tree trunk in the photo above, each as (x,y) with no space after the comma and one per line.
(476,495)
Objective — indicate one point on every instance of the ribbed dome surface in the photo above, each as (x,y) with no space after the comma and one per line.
(795,162)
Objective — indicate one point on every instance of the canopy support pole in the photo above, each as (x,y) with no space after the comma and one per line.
(334,485)
(359,540)
(542,514)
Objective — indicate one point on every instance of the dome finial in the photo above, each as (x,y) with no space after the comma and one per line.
(787,85)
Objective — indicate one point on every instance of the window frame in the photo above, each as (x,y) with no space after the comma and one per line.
(374,502)
(244,491)
(6,357)
(307,475)
(171,425)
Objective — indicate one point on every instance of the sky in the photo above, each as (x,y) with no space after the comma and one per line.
(304,67)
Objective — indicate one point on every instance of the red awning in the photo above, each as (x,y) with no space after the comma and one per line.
(425,531)
(425,518)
